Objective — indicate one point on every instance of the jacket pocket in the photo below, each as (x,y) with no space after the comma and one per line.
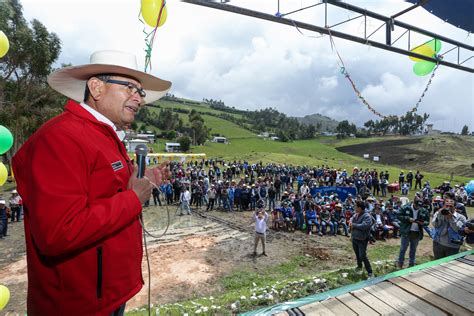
(99,272)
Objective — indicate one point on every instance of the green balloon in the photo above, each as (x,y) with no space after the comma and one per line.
(435,45)
(422,68)
(6,139)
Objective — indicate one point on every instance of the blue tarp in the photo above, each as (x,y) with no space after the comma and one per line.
(459,13)
(342,192)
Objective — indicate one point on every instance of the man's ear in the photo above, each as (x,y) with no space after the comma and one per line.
(96,87)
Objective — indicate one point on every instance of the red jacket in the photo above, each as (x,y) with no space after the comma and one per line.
(83,236)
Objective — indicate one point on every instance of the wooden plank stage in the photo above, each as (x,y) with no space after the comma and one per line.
(444,289)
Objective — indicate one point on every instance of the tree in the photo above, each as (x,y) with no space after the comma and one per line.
(200,132)
(370,125)
(26,101)
(184,143)
(465,130)
(344,128)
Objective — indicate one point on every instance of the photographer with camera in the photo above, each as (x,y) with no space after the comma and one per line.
(448,224)
(413,217)
(468,231)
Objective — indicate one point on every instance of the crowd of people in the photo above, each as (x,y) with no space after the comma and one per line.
(291,196)
(288,199)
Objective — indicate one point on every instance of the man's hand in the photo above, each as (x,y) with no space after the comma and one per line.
(158,174)
(411,220)
(142,187)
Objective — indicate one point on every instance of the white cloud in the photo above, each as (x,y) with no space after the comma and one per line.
(250,63)
(327,82)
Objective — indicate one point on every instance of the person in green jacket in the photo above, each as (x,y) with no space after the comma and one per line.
(413,217)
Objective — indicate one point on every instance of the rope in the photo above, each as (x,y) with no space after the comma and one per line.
(359,94)
(343,70)
(150,36)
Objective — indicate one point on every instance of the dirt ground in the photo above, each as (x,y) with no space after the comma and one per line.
(444,154)
(195,252)
(185,262)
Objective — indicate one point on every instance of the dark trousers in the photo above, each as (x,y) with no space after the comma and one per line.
(210,205)
(169,199)
(119,311)
(360,250)
(16,213)
(3,227)
(441,251)
(156,198)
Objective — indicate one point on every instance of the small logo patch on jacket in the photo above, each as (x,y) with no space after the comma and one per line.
(117,165)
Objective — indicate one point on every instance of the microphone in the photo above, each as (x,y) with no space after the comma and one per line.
(140,153)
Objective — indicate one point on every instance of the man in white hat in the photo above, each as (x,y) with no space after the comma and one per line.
(4,212)
(15,206)
(81,195)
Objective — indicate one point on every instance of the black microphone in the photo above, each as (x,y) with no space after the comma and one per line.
(140,153)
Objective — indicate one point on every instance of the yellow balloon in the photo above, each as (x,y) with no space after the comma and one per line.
(4,296)
(424,49)
(4,44)
(150,11)
(3,173)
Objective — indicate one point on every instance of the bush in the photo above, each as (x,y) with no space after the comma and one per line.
(185,143)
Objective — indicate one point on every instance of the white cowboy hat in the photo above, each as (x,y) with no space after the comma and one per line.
(71,81)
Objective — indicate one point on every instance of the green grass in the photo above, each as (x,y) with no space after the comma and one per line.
(299,277)
(202,108)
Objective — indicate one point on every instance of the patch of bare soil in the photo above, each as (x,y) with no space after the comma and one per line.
(390,152)
(188,261)
(443,154)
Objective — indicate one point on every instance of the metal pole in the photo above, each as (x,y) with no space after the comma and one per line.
(318,29)
(388,32)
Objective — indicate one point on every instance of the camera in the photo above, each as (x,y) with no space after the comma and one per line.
(445,211)
(470,224)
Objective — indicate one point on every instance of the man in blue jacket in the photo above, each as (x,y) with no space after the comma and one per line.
(447,224)
(360,225)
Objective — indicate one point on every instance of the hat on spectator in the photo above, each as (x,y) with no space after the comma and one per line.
(460,206)
(2,201)
(14,191)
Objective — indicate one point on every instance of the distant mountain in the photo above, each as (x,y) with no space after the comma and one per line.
(327,124)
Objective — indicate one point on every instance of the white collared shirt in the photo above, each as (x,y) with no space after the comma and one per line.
(102,118)
(414,226)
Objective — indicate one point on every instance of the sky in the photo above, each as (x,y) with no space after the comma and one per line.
(253,64)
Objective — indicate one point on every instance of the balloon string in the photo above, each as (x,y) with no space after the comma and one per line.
(150,36)
(346,74)
(359,94)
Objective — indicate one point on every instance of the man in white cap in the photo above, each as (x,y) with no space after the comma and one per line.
(15,206)
(4,212)
(81,195)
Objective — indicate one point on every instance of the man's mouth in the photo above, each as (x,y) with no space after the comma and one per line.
(132,109)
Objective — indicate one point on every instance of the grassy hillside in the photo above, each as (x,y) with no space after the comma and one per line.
(454,156)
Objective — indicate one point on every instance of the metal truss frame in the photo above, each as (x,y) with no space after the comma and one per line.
(388,22)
